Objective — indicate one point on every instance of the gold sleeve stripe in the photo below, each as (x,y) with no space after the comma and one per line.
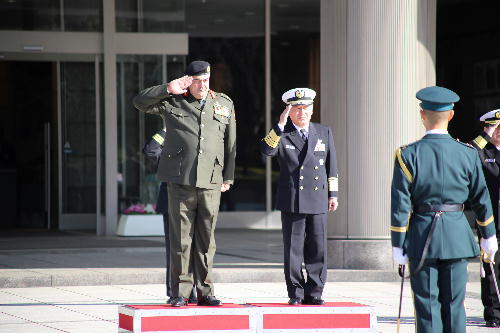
(333,184)
(403,165)
(272,139)
(485,223)
(398,229)
(480,142)
(158,138)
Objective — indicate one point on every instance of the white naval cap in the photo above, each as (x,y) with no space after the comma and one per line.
(296,96)
(491,117)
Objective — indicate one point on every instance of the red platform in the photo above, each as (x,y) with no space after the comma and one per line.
(248,318)
(331,317)
(192,318)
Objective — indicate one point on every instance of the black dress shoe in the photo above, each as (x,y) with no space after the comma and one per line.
(313,300)
(209,301)
(295,301)
(169,300)
(178,301)
(192,298)
(493,323)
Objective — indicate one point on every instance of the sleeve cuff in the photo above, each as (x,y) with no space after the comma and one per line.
(333,194)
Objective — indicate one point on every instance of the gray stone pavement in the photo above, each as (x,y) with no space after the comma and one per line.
(74,281)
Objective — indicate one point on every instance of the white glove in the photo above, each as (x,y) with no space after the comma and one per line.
(398,256)
(489,246)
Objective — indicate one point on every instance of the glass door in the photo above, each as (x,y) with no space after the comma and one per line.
(79,145)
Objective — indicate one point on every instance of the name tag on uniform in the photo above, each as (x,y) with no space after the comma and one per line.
(320,146)
(489,160)
(289,147)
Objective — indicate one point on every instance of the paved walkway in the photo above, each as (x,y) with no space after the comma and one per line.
(74,282)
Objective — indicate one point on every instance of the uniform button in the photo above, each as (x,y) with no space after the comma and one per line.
(202,125)
(201,151)
(202,112)
(168,155)
(301,168)
(316,167)
(316,188)
(316,178)
(301,177)
(202,138)
(301,188)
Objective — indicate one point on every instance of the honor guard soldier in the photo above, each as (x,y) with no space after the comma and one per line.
(488,146)
(432,179)
(307,190)
(152,150)
(197,163)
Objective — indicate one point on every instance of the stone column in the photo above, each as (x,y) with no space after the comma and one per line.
(375,55)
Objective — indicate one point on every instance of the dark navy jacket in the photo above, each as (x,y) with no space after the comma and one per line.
(308,172)
(152,149)
(490,159)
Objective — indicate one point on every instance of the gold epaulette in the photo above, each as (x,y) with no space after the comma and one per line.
(158,138)
(272,139)
(333,184)
(480,142)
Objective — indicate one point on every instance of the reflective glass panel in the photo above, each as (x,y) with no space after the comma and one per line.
(78,137)
(83,15)
(30,15)
(150,15)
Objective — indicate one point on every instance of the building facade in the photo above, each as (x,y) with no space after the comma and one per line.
(70,139)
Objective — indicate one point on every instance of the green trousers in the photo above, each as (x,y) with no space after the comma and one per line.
(438,294)
(192,215)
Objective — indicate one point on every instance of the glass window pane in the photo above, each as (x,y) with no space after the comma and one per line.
(126,15)
(163,16)
(78,137)
(83,15)
(30,15)
(150,15)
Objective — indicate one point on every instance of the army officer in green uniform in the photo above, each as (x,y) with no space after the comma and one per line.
(197,162)
(432,179)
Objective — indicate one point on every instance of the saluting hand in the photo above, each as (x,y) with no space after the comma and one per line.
(284,116)
(332,204)
(491,129)
(180,85)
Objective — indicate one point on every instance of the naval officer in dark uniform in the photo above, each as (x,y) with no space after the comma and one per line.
(488,145)
(307,190)
(432,179)
(152,150)
(197,162)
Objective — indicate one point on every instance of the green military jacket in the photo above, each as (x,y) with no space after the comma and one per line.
(438,170)
(200,144)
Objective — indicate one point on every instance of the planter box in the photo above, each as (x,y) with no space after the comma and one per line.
(140,225)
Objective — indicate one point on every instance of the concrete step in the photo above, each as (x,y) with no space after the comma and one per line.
(51,277)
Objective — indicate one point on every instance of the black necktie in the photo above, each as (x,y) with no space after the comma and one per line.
(303,133)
